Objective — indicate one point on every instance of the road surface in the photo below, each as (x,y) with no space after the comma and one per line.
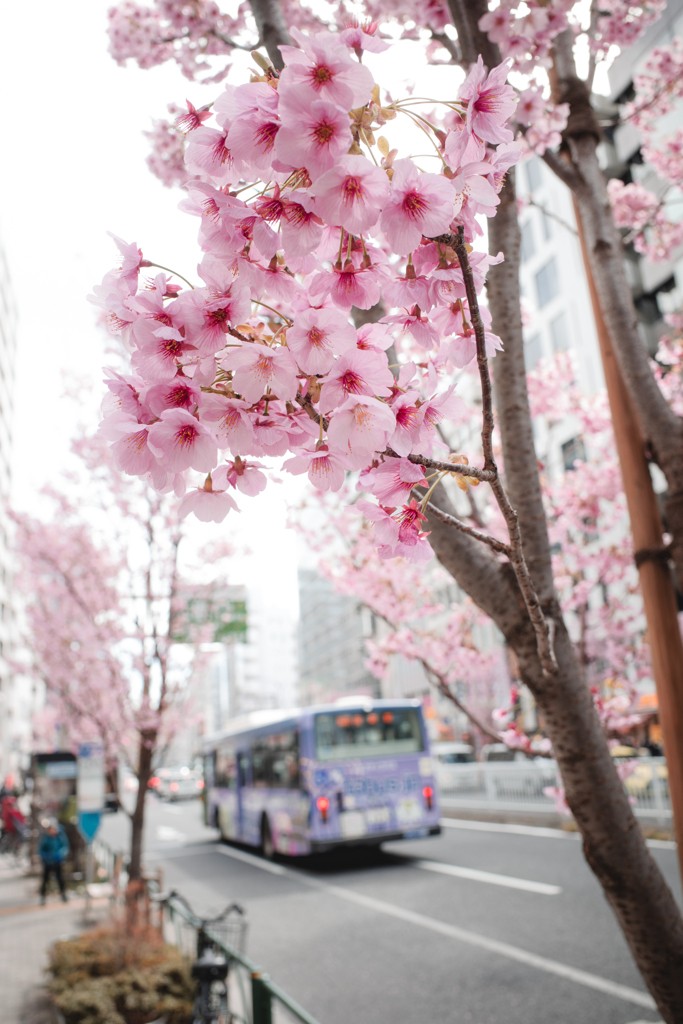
(488,924)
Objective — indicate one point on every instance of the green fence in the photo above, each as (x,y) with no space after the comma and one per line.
(252,997)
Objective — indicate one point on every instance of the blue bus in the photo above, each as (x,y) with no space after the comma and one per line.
(356,772)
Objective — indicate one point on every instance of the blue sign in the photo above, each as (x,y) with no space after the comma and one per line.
(88,824)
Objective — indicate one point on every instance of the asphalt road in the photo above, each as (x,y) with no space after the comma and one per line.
(480,926)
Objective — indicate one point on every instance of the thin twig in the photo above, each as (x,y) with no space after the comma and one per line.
(553,216)
(497,545)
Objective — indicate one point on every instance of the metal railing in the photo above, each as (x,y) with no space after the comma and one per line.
(520,785)
(253,998)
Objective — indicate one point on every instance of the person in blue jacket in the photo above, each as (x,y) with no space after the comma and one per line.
(52,850)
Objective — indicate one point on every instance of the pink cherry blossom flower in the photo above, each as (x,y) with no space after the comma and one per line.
(398,531)
(347,286)
(130,449)
(530,107)
(251,140)
(179,393)
(301,227)
(326,70)
(124,394)
(355,373)
(314,134)
(352,194)
(193,118)
(207,153)
(409,291)
(373,338)
(209,506)
(360,427)
(491,102)
(258,367)
(419,326)
(157,359)
(132,261)
(409,418)
(245,476)
(325,468)
(232,425)
(362,36)
(418,204)
(392,481)
(444,406)
(220,313)
(316,336)
(181,442)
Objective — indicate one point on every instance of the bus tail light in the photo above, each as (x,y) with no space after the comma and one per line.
(323,805)
(428,794)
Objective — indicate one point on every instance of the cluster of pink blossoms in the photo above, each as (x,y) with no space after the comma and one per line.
(297,226)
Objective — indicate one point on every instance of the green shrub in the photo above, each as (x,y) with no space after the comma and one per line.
(108,977)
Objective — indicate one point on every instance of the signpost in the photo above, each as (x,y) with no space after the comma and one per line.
(90,790)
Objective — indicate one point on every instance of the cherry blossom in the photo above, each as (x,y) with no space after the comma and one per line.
(419,204)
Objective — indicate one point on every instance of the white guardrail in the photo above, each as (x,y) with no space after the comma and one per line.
(519,786)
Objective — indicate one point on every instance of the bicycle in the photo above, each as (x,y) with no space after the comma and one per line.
(210,969)
(13,841)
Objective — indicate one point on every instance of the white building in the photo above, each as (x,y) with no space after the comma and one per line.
(16,692)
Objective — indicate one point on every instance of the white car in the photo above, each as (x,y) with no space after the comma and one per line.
(178,783)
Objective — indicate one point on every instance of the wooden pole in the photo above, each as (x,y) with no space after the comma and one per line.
(656,581)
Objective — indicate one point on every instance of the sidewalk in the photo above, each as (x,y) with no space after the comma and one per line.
(27,930)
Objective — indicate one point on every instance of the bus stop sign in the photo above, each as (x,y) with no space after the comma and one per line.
(90,788)
(88,824)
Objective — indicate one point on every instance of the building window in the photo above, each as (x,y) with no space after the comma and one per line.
(559,332)
(528,246)
(534,174)
(547,283)
(573,451)
(533,350)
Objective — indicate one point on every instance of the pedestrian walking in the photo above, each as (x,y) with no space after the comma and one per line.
(52,850)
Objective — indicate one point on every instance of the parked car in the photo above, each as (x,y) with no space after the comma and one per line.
(450,752)
(178,783)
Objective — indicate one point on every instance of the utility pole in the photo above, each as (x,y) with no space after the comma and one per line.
(656,581)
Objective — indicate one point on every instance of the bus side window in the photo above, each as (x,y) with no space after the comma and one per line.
(284,761)
(242,762)
(259,763)
(226,769)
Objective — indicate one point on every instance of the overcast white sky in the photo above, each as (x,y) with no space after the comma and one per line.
(74,168)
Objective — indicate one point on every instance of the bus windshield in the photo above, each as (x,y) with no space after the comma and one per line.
(375,733)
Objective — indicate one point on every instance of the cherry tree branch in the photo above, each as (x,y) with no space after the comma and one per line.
(543,628)
(457,524)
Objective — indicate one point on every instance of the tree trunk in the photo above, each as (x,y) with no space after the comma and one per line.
(138,819)
(612,840)
(272,28)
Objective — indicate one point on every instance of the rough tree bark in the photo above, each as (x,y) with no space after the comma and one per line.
(272,28)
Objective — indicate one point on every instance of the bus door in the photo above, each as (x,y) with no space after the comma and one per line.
(242,785)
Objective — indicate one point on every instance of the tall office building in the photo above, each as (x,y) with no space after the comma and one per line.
(333,628)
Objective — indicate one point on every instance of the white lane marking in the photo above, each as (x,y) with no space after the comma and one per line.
(473,875)
(256,862)
(536,830)
(170,835)
(520,830)
(542,963)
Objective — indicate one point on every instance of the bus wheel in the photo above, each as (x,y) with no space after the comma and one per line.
(267,844)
